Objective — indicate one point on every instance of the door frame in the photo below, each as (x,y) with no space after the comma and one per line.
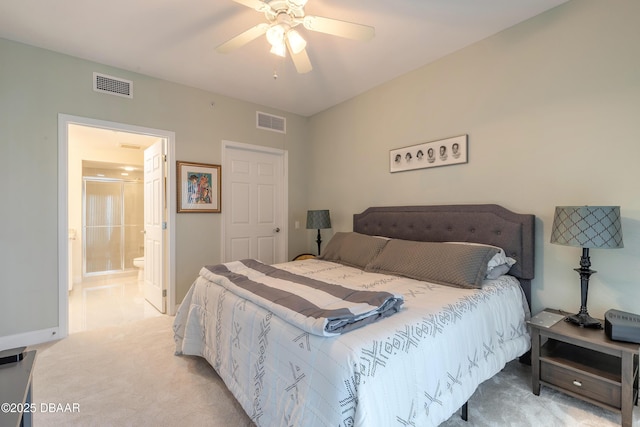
(285,189)
(64,120)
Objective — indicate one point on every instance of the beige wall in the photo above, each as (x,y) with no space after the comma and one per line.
(35,86)
(552,110)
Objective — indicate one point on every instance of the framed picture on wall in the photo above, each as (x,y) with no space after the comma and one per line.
(198,187)
(449,151)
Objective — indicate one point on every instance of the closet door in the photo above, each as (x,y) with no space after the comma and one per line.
(254,191)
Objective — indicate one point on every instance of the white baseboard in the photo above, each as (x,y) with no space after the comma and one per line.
(30,338)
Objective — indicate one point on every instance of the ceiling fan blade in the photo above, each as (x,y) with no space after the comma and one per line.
(253,4)
(349,30)
(300,60)
(243,38)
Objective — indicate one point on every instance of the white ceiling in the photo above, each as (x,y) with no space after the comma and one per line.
(176,40)
(107,139)
(122,144)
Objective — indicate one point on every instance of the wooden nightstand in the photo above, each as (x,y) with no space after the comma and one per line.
(586,364)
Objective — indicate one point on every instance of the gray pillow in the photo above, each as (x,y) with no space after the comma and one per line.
(498,265)
(353,249)
(498,271)
(331,252)
(462,266)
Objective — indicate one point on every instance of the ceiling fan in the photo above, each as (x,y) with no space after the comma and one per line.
(283,16)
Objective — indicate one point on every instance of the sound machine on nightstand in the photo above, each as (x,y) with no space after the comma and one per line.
(622,326)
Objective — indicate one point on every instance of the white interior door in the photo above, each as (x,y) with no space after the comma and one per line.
(154,225)
(254,204)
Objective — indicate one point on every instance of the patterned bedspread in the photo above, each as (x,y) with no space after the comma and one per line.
(414,368)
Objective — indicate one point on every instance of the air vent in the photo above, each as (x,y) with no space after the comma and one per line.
(112,85)
(271,122)
(130,146)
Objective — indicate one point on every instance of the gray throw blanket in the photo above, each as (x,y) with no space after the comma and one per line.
(314,306)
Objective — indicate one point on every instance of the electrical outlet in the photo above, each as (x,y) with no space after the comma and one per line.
(297,225)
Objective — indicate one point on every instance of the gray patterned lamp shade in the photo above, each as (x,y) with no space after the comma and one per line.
(318,219)
(587,226)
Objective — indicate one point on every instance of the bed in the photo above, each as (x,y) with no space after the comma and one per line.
(414,364)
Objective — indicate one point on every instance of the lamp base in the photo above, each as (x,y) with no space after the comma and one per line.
(584,321)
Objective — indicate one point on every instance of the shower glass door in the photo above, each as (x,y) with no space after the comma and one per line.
(113,226)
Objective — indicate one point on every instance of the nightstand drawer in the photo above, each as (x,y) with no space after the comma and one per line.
(584,385)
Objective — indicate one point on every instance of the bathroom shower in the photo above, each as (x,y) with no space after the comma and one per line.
(113,216)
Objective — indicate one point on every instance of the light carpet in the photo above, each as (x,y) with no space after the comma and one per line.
(129,376)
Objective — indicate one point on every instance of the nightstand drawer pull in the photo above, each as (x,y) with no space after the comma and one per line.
(577,383)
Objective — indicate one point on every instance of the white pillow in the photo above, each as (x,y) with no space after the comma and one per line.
(497,266)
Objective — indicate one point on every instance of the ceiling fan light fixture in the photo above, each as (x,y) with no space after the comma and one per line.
(281,18)
(275,35)
(296,42)
(279,49)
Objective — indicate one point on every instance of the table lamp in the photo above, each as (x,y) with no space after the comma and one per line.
(586,227)
(318,219)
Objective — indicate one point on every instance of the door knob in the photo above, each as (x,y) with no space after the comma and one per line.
(277,229)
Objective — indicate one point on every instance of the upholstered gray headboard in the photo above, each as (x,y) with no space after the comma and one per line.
(489,224)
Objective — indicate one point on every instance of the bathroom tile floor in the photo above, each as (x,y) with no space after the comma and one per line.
(108,300)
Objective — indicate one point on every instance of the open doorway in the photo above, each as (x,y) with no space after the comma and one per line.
(107,281)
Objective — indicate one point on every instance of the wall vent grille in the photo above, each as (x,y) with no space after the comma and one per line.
(112,85)
(271,122)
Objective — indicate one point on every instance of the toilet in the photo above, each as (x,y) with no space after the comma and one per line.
(139,264)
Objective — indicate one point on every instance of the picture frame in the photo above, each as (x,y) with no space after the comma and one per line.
(443,152)
(199,187)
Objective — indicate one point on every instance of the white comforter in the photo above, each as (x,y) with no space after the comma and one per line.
(416,367)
